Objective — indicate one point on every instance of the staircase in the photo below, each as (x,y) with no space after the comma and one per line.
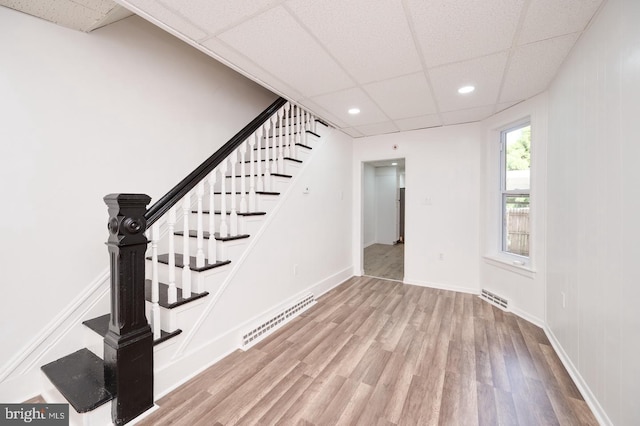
(197,233)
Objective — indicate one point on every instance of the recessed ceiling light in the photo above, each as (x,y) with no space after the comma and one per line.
(466,89)
(354,111)
(394,164)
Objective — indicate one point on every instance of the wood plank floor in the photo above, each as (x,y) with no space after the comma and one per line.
(384,261)
(378,352)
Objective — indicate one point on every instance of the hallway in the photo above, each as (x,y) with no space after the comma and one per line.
(384,261)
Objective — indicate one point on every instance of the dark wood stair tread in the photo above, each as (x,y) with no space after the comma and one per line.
(247,192)
(80,378)
(206,235)
(297,144)
(163,295)
(272,174)
(271,159)
(164,258)
(101,325)
(228,212)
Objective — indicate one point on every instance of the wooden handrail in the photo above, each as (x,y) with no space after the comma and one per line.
(163,205)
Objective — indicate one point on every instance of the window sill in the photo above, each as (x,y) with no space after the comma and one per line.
(509,265)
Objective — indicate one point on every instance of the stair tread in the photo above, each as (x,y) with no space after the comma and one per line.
(272,174)
(101,325)
(163,295)
(295,160)
(297,144)
(80,379)
(164,258)
(228,212)
(206,235)
(247,192)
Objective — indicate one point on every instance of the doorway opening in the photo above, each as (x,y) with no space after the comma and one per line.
(383,218)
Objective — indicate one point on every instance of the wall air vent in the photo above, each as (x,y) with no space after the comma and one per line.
(494,299)
(258,333)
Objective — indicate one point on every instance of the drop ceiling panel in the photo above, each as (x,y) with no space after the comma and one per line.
(402,97)
(169,18)
(450,31)
(277,42)
(371,40)
(483,73)
(219,15)
(320,111)
(67,13)
(377,128)
(422,122)
(533,66)
(352,132)
(219,48)
(340,102)
(550,18)
(467,115)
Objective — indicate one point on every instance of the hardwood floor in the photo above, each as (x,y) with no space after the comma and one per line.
(384,261)
(378,352)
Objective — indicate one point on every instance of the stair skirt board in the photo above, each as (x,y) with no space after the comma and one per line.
(267,327)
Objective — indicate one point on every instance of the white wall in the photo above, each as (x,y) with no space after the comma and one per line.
(368,204)
(523,287)
(127,108)
(386,190)
(594,206)
(442,208)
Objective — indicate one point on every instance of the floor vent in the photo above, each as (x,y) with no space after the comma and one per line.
(263,330)
(494,299)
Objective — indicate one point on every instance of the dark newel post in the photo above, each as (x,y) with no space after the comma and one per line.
(128,345)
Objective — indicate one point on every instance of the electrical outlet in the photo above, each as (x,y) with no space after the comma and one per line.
(295,270)
(441,256)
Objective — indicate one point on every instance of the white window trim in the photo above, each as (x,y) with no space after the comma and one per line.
(511,261)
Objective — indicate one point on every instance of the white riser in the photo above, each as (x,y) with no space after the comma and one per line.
(232,249)
(264,201)
(246,224)
(278,184)
(94,342)
(163,274)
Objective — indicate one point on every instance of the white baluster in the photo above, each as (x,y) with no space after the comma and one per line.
(172,292)
(252,178)
(155,285)
(211,245)
(243,184)
(186,257)
(200,258)
(267,173)
(224,230)
(287,145)
(259,180)
(233,217)
(296,131)
(280,142)
(303,134)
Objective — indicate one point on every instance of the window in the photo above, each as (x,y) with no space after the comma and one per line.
(515,185)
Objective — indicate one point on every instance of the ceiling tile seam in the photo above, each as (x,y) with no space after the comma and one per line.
(593,18)
(550,38)
(84,5)
(418,47)
(179,15)
(512,49)
(242,21)
(246,73)
(328,52)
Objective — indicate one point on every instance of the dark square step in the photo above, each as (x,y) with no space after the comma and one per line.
(80,378)
(163,296)
(101,325)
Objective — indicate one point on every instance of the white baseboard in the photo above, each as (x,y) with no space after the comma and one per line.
(583,387)
(440,286)
(526,316)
